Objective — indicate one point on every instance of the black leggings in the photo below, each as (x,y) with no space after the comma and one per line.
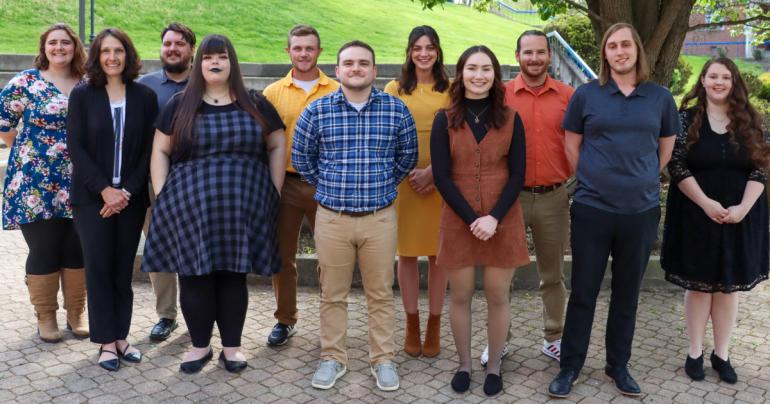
(53,244)
(222,297)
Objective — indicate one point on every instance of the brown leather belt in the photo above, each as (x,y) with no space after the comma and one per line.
(355,214)
(542,189)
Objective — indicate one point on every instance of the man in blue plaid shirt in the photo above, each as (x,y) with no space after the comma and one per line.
(355,146)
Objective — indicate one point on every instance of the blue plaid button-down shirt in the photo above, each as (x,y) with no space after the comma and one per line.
(355,159)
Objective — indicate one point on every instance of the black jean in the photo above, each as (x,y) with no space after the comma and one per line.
(109,249)
(53,244)
(220,297)
(596,235)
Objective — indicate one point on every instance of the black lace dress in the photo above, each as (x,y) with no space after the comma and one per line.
(699,254)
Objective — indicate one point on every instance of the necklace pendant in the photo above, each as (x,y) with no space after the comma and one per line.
(476,119)
(216,101)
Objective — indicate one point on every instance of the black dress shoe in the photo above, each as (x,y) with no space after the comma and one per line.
(162,330)
(694,368)
(623,381)
(196,365)
(133,357)
(232,366)
(110,364)
(561,386)
(493,384)
(724,368)
(461,381)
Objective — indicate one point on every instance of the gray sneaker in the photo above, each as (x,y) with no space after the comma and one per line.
(327,373)
(386,376)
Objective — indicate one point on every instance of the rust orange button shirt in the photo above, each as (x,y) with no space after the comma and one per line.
(290,100)
(542,114)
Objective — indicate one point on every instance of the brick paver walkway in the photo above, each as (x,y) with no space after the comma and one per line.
(32,371)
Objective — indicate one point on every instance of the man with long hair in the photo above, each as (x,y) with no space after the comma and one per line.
(619,134)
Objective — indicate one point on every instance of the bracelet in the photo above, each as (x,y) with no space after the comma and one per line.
(126,193)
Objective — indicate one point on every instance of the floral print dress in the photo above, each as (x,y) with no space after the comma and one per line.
(39,174)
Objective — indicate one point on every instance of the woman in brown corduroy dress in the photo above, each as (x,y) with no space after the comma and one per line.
(478,152)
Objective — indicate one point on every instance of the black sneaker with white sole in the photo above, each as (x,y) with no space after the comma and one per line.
(280,334)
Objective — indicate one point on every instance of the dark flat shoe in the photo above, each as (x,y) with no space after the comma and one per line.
(694,368)
(493,384)
(195,366)
(623,381)
(561,385)
(724,368)
(232,366)
(110,364)
(133,357)
(162,330)
(461,381)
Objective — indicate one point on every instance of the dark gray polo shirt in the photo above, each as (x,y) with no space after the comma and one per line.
(618,168)
(163,86)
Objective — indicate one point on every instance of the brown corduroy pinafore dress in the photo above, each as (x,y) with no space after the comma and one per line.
(480,171)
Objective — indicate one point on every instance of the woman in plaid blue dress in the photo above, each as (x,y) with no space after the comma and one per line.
(218,162)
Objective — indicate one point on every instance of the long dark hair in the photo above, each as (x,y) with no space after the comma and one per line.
(77,65)
(745,125)
(498,113)
(183,123)
(131,66)
(407,81)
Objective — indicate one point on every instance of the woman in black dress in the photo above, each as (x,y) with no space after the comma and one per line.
(716,230)
(218,162)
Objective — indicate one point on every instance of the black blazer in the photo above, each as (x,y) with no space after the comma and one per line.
(90,141)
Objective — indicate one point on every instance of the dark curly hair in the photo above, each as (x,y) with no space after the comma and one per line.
(745,125)
(132,65)
(498,112)
(407,81)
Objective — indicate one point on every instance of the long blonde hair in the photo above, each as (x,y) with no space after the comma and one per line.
(642,67)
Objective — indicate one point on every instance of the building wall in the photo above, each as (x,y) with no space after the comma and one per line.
(708,41)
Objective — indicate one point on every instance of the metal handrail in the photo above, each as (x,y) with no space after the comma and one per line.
(580,64)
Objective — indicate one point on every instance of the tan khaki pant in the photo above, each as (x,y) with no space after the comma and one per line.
(547,215)
(296,203)
(340,239)
(163,283)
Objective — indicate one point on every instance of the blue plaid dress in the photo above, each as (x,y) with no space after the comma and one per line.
(218,208)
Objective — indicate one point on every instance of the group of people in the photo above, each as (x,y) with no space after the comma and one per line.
(452,169)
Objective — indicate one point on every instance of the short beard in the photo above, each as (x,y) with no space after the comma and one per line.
(175,68)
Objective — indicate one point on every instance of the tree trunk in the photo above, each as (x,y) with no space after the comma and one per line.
(646,13)
(669,52)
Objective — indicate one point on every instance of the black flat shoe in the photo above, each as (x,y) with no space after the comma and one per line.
(232,366)
(110,364)
(162,330)
(461,381)
(623,381)
(724,368)
(133,357)
(562,384)
(493,384)
(694,368)
(195,366)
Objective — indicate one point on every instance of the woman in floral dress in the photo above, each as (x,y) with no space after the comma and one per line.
(37,183)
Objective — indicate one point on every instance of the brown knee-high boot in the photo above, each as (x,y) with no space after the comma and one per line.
(73,284)
(412,334)
(432,345)
(43,290)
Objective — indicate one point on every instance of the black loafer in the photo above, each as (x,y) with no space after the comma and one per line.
(110,364)
(623,381)
(195,366)
(232,366)
(162,330)
(461,381)
(493,384)
(694,368)
(724,368)
(133,357)
(562,384)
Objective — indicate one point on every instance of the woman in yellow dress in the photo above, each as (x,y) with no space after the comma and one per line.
(423,86)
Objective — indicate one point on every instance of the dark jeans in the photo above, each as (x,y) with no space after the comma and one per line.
(220,297)
(596,235)
(109,249)
(53,244)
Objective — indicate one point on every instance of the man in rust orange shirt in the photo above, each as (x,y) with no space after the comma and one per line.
(541,101)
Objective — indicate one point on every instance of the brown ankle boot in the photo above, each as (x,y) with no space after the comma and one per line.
(73,284)
(432,345)
(412,334)
(42,293)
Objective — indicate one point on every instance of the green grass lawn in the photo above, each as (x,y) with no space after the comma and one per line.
(258,27)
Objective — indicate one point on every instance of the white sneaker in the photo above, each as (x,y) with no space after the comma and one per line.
(485,355)
(552,349)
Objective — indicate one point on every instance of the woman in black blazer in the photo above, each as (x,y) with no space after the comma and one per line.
(109,136)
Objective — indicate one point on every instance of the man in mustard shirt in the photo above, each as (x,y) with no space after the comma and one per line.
(290,95)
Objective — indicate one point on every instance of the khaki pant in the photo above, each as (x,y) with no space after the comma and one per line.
(547,215)
(340,239)
(296,203)
(163,283)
